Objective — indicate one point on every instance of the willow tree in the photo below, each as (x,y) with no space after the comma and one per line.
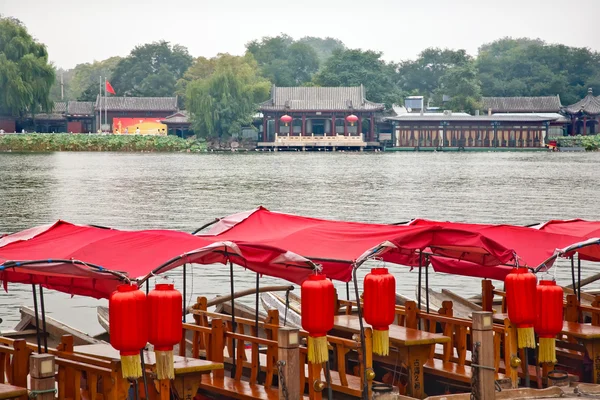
(225,100)
(25,74)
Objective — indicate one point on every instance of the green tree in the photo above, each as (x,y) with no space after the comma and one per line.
(55,90)
(423,76)
(25,74)
(85,84)
(151,70)
(323,46)
(283,61)
(531,67)
(223,101)
(462,84)
(356,67)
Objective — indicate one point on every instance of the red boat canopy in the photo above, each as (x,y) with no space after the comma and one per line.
(573,227)
(533,247)
(337,245)
(91,261)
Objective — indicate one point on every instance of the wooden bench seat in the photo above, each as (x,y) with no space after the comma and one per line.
(238,389)
(450,370)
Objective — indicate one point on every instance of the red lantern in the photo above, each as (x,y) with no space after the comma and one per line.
(549,319)
(520,287)
(352,119)
(165,326)
(128,313)
(317,308)
(379,305)
(286,119)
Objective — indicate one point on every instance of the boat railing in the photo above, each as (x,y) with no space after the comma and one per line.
(78,376)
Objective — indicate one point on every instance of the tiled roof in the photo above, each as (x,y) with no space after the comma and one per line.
(589,105)
(470,118)
(522,104)
(180,117)
(80,108)
(138,103)
(319,98)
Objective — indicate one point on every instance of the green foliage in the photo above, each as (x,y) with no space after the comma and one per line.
(67,76)
(151,70)
(283,61)
(226,99)
(356,67)
(70,142)
(526,67)
(25,74)
(462,84)
(85,84)
(323,47)
(424,75)
(589,142)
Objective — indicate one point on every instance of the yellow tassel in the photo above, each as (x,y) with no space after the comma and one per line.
(547,353)
(317,350)
(131,367)
(165,368)
(526,338)
(381,342)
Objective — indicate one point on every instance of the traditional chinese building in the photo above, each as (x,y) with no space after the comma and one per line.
(584,115)
(318,117)
(533,105)
(178,124)
(416,131)
(147,112)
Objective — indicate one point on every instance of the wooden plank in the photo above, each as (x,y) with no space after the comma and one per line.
(398,334)
(11,392)
(57,329)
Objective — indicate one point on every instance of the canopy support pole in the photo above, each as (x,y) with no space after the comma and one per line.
(144,372)
(184,308)
(573,274)
(427,284)
(43,319)
(348,291)
(578,278)
(420,279)
(233,327)
(256,314)
(37,319)
(365,388)
(147,287)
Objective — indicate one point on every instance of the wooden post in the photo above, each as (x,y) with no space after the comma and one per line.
(487,295)
(218,344)
(289,354)
(483,347)
(42,372)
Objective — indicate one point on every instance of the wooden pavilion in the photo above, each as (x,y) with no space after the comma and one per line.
(178,124)
(584,115)
(449,131)
(320,117)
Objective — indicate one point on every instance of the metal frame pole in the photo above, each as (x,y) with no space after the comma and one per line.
(420,279)
(43,319)
(427,285)
(184,293)
(37,319)
(233,327)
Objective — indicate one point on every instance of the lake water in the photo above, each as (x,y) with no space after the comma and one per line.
(183,191)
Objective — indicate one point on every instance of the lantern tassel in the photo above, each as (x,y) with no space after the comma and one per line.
(381,342)
(526,338)
(131,367)
(317,350)
(164,365)
(547,353)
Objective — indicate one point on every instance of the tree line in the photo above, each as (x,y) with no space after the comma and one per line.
(221,93)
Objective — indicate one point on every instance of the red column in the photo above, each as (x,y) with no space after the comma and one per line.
(372,128)
(573,126)
(303,127)
(333,133)
(359,125)
(584,126)
(264,135)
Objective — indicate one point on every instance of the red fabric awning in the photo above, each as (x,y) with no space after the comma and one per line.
(465,268)
(131,253)
(532,246)
(336,245)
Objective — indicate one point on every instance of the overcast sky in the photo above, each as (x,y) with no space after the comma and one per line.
(78,31)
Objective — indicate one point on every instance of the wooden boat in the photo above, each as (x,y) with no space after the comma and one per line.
(26,329)
(292,317)
(462,307)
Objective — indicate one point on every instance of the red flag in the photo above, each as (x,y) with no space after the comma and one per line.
(109,88)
